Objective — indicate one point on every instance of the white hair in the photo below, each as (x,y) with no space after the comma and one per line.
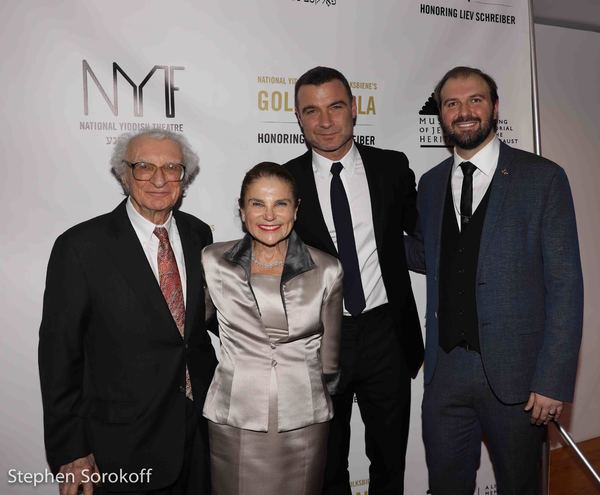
(119,167)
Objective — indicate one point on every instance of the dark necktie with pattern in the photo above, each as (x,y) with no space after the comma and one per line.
(466,194)
(170,285)
(354,296)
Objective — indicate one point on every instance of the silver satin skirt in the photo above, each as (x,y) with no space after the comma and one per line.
(245,462)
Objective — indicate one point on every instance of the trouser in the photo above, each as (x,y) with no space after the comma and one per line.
(374,368)
(459,409)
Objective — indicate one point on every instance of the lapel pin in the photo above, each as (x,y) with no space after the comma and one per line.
(504,171)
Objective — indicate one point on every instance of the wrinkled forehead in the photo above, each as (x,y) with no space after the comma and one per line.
(333,90)
(271,183)
(150,146)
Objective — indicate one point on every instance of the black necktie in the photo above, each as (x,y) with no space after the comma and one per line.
(354,296)
(466,194)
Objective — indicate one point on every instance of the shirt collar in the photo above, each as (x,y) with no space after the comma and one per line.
(486,159)
(322,166)
(142,225)
(297,259)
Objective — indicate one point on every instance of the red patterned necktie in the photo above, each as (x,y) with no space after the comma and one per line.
(170,285)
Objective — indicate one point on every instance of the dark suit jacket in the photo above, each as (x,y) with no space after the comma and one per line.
(529,284)
(112,362)
(393,197)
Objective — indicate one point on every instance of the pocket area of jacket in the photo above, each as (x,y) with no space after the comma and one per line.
(113,411)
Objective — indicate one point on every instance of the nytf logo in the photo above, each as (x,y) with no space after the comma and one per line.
(120,79)
(325,3)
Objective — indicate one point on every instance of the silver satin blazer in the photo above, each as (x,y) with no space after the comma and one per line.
(305,363)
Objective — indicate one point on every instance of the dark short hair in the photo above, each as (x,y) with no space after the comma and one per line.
(320,75)
(267,169)
(462,71)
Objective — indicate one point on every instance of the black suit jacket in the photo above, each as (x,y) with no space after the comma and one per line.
(393,203)
(112,362)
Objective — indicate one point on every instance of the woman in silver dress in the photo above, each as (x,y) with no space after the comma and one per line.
(279,308)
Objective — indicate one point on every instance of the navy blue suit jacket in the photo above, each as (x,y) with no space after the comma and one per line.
(529,290)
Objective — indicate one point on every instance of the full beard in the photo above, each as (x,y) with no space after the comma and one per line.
(469,140)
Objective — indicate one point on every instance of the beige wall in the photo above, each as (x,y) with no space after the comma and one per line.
(569,82)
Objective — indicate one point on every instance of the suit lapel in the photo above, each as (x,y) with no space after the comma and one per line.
(498,190)
(129,256)
(376,182)
(439,192)
(191,252)
(312,215)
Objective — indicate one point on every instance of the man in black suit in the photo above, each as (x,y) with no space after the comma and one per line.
(356,201)
(124,357)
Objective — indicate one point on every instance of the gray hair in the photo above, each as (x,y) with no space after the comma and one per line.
(190,159)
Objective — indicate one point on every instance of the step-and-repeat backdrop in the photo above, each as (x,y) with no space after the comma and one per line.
(76,75)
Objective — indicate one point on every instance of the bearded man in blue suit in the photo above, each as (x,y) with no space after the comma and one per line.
(497,238)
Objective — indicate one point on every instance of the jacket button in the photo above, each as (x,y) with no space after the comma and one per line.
(273,363)
(435,314)
(182,389)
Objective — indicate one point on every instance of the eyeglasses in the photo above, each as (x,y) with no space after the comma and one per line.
(172,172)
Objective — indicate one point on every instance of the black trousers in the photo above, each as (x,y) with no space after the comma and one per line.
(372,367)
(194,478)
(459,409)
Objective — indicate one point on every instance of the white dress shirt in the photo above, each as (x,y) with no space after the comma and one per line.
(145,233)
(357,189)
(486,161)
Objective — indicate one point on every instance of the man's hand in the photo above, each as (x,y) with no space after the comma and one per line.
(543,409)
(78,472)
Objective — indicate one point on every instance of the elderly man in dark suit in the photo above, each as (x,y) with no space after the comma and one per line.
(504,296)
(355,202)
(124,357)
